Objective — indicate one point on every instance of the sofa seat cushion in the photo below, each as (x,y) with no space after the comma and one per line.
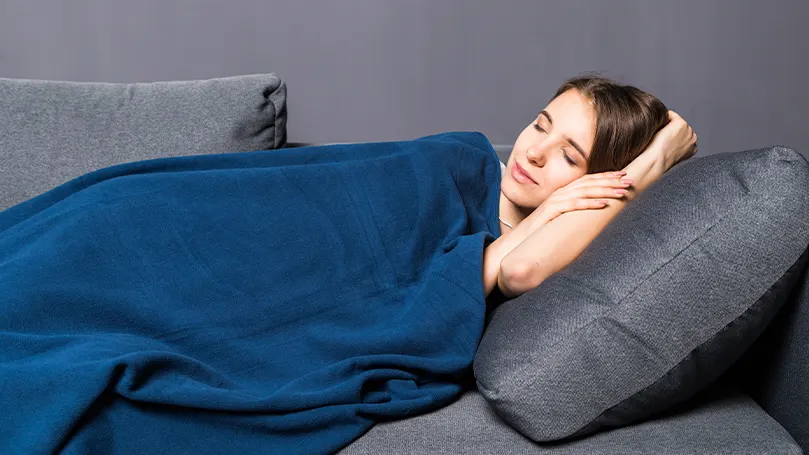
(727,423)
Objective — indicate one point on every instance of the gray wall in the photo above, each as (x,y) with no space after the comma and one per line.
(360,70)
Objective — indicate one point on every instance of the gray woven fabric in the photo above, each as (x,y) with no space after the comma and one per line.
(670,294)
(53,131)
(733,423)
(776,368)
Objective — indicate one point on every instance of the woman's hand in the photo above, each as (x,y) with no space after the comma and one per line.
(674,142)
(589,191)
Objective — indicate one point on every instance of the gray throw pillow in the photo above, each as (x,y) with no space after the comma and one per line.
(659,305)
(53,131)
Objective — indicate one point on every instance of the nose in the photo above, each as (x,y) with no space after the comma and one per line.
(535,155)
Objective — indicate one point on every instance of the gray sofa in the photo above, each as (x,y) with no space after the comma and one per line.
(744,391)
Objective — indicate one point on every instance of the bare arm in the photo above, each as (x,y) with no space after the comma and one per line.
(497,250)
(543,250)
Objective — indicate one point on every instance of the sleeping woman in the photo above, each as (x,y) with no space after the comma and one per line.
(590,151)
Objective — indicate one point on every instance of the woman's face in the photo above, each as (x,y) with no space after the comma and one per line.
(550,150)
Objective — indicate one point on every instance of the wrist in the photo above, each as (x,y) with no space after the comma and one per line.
(660,158)
(535,220)
(645,169)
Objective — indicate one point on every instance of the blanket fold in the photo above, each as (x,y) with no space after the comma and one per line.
(274,301)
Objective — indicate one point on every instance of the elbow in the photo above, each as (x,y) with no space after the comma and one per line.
(518,277)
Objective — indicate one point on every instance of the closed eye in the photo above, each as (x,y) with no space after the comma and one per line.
(567,158)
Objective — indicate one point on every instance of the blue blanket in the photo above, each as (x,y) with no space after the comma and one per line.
(274,301)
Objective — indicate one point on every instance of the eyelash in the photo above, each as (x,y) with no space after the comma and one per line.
(567,158)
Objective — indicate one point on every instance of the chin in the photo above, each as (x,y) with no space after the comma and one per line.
(512,192)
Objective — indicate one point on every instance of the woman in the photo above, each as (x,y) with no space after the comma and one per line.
(595,140)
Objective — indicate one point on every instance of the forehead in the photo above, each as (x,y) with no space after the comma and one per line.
(574,115)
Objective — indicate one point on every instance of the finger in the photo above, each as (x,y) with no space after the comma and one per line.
(573,189)
(611,182)
(594,204)
(575,204)
(674,116)
(581,204)
(609,175)
(587,204)
(601,192)
(561,207)
(601,179)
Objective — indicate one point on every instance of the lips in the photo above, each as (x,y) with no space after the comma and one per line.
(520,170)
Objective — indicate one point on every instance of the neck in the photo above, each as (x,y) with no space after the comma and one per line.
(510,213)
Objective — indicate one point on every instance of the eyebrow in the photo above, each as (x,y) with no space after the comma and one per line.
(572,142)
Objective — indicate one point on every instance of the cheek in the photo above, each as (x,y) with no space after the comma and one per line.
(522,142)
(559,177)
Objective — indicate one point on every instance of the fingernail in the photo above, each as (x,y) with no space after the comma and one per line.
(620,191)
(619,173)
(628,181)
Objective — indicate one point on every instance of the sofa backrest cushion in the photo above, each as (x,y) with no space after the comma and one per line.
(53,131)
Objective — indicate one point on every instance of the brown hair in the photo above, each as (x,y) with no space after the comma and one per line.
(627,119)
